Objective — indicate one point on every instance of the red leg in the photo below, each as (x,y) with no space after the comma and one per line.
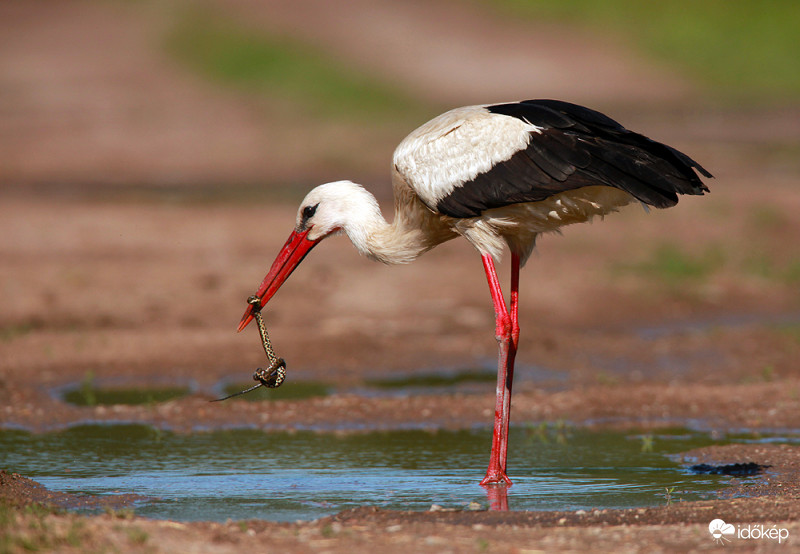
(512,354)
(507,333)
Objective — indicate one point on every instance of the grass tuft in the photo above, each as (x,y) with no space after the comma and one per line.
(31,529)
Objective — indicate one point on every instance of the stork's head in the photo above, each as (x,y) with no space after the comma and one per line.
(326,210)
(335,207)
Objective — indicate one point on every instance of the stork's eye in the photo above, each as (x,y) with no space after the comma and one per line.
(309,211)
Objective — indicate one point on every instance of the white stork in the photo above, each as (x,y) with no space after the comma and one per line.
(498,175)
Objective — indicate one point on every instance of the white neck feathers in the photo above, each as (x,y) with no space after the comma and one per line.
(399,242)
(345,207)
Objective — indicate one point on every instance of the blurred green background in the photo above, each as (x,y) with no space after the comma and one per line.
(230,95)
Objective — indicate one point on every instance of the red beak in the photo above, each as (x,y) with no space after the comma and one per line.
(290,256)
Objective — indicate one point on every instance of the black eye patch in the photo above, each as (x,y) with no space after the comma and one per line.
(309,211)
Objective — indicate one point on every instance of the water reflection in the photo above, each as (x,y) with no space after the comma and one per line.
(497,496)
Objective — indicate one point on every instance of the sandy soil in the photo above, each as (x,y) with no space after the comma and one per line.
(149,290)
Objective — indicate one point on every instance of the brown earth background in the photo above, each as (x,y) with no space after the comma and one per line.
(142,201)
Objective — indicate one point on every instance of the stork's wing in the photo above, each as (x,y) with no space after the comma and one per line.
(570,147)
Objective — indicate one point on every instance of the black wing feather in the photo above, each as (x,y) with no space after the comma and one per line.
(577,147)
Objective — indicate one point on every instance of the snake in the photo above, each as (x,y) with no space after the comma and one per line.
(273,376)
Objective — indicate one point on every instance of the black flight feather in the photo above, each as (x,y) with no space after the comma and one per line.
(577,147)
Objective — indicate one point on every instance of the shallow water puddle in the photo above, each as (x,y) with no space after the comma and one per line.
(244,474)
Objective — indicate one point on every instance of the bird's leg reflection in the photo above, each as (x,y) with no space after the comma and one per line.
(498,497)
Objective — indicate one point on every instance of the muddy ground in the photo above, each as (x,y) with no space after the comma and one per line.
(114,266)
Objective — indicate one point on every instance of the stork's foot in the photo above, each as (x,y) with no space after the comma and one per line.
(496,477)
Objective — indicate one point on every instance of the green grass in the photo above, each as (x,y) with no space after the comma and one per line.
(767,218)
(28,529)
(675,265)
(741,50)
(761,265)
(137,535)
(229,52)
(791,330)
(672,264)
(14,331)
